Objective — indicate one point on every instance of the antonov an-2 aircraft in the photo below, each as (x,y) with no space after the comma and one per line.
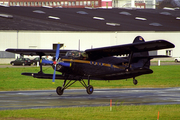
(97,63)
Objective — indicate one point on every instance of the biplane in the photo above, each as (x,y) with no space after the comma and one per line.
(103,63)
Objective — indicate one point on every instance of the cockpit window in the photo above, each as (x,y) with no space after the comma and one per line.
(77,54)
(73,54)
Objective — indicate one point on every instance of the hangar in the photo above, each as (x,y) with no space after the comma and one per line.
(84,28)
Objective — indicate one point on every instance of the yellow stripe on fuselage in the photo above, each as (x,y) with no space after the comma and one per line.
(93,63)
(77,61)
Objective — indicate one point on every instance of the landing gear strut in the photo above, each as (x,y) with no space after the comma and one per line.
(135,81)
(89,88)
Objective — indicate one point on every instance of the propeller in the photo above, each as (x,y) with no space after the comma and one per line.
(56,62)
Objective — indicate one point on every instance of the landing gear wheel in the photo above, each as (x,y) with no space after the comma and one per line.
(135,81)
(59,90)
(90,89)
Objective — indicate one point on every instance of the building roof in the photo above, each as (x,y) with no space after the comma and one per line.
(86,19)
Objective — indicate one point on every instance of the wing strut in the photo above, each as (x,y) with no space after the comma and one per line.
(130,60)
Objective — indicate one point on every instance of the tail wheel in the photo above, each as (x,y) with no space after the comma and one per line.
(135,81)
(90,89)
(59,90)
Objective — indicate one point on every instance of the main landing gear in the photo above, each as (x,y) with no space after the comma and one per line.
(89,88)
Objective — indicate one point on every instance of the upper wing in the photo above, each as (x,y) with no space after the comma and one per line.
(128,48)
(39,52)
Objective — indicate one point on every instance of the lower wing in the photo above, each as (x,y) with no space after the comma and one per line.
(113,76)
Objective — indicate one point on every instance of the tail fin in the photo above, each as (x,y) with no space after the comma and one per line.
(140,59)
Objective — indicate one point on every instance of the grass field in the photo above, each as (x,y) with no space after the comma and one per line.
(121,112)
(11,79)
(163,76)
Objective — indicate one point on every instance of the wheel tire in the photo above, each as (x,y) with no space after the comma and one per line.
(12,64)
(90,89)
(176,60)
(23,64)
(135,82)
(59,90)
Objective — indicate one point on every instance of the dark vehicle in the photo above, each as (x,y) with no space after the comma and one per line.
(37,59)
(21,61)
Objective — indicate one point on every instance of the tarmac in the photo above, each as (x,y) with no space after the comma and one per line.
(10,100)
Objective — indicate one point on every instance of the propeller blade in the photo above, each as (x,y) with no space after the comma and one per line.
(54,75)
(65,64)
(47,61)
(57,52)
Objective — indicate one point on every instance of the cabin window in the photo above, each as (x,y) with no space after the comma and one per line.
(77,54)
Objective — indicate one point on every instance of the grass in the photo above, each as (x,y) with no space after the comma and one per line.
(11,79)
(163,76)
(123,112)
